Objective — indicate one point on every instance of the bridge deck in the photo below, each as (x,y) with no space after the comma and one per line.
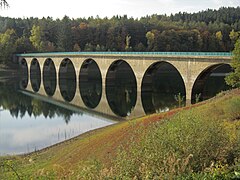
(177,54)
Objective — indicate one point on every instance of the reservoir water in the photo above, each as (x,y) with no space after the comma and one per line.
(28,123)
(39,109)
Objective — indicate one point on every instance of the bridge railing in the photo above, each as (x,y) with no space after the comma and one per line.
(220,54)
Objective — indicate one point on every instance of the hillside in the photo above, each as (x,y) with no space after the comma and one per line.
(192,142)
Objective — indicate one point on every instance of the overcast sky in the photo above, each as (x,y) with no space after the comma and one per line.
(103,8)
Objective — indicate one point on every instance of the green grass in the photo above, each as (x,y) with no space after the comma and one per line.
(200,142)
(203,142)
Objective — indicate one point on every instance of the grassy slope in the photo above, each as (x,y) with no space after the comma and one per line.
(100,144)
(64,159)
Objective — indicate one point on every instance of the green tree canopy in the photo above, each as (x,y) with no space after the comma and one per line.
(7,45)
(234,78)
(36,37)
(206,31)
(150,39)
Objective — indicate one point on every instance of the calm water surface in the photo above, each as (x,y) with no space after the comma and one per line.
(31,120)
(28,124)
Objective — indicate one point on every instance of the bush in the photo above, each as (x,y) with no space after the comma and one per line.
(232,109)
(187,145)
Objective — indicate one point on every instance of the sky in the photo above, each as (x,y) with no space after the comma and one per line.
(108,8)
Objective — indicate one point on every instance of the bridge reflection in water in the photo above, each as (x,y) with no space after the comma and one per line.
(30,122)
(115,92)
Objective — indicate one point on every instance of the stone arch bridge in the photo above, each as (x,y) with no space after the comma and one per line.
(107,81)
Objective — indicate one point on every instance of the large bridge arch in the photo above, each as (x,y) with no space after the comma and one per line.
(24,69)
(210,82)
(121,88)
(90,83)
(67,79)
(35,74)
(161,85)
(49,75)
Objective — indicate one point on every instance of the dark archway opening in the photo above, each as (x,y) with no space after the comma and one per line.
(35,75)
(121,88)
(210,82)
(24,74)
(49,77)
(161,87)
(67,80)
(90,83)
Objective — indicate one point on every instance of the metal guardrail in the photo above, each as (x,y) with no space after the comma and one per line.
(219,54)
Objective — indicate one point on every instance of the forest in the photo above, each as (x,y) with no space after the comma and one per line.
(205,31)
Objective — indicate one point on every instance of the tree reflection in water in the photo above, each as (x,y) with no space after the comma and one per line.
(35,75)
(161,84)
(90,83)
(49,77)
(19,104)
(121,88)
(67,80)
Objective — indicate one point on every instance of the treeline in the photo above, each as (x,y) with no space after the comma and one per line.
(210,30)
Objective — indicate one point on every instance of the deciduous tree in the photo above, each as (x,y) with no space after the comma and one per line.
(150,37)
(7,45)
(36,38)
(128,47)
(233,79)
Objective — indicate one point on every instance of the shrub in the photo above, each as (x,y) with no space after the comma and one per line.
(188,144)
(232,109)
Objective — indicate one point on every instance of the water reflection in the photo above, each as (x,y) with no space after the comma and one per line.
(121,88)
(24,74)
(20,105)
(67,80)
(161,86)
(49,77)
(210,82)
(90,83)
(35,75)
(28,124)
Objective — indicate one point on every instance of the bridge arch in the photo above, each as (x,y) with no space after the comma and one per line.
(35,75)
(67,79)
(90,83)
(24,73)
(210,82)
(121,88)
(161,85)
(49,77)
